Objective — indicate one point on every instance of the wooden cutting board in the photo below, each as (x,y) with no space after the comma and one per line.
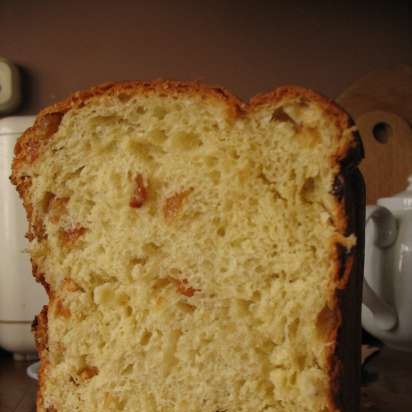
(381,105)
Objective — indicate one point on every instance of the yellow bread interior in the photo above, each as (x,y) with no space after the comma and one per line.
(189,255)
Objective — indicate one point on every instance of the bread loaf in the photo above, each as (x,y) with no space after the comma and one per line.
(201,254)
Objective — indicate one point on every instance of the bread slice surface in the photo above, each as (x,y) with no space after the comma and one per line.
(195,248)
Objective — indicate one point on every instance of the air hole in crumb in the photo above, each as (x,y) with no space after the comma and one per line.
(73,381)
(70,285)
(292,379)
(256,295)
(241,307)
(145,339)
(186,307)
(259,269)
(253,201)
(159,112)
(186,141)
(88,372)
(211,161)
(87,147)
(103,294)
(326,321)
(123,97)
(151,249)
(113,403)
(108,148)
(122,299)
(140,110)
(128,311)
(116,179)
(127,370)
(49,124)
(308,189)
(221,231)
(240,383)
(141,149)
(208,265)
(234,154)
(293,328)
(280,115)
(215,176)
(47,198)
(228,205)
(162,283)
(301,361)
(267,346)
(157,136)
(312,136)
(139,261)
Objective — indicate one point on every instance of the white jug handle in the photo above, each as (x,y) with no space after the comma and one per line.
(382,229)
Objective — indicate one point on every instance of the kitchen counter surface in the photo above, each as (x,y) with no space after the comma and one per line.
(388,389)
(17,390)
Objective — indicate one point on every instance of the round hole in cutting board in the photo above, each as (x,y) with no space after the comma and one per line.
(382,132)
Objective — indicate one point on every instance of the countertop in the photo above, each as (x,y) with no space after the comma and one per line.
(17,390)
(387,376)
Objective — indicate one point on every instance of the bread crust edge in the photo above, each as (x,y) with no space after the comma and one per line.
(40,331)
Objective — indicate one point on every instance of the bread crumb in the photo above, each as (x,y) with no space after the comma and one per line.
(88,372)
(187,246)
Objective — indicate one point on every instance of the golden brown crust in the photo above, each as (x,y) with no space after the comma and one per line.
(41,338)
(167,87)
(29,147)
(38,274)
(344,355)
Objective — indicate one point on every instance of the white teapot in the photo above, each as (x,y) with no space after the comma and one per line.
(387,287)
(21,298)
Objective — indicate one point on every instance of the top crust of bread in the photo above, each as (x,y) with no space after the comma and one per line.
(31,144)
(28,146)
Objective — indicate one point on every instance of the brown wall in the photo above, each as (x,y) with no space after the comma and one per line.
(248,46)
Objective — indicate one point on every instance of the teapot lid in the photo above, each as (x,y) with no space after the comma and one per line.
(402,200)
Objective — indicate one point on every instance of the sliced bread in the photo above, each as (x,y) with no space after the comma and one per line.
(201,254)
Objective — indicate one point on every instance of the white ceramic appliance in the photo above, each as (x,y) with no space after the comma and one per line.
(387,289)
(21,298)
